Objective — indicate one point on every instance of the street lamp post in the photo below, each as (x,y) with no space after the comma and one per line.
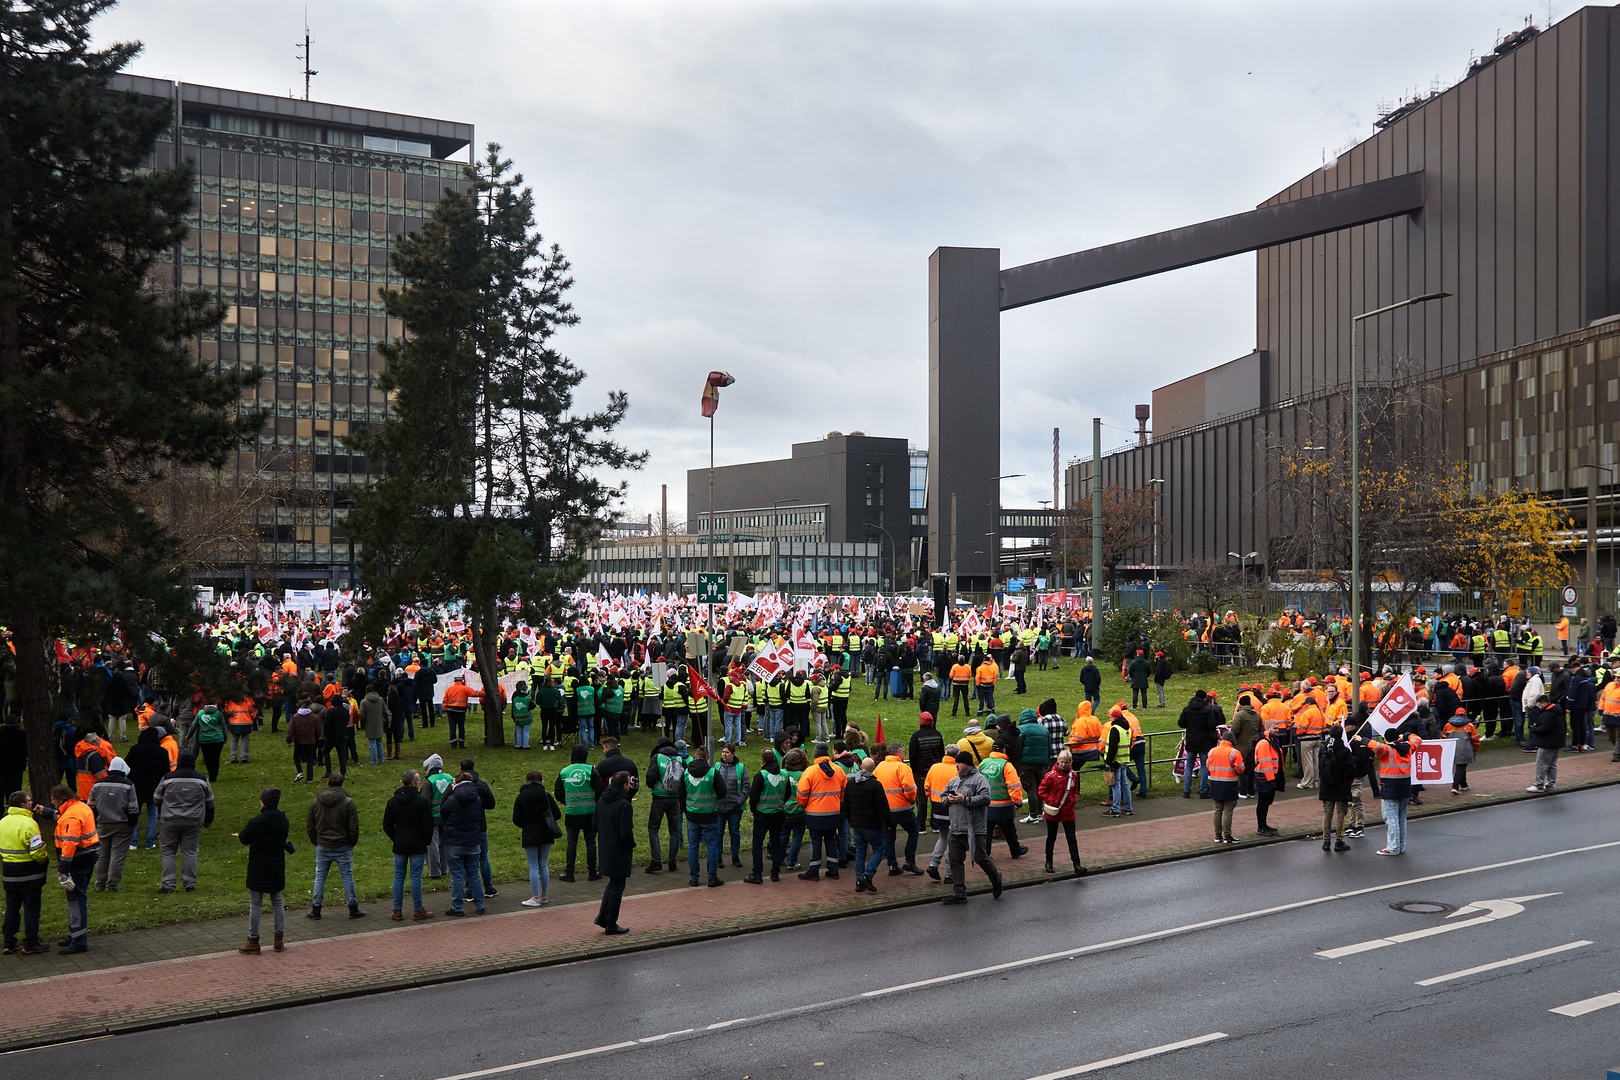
(1355,466)
(1243,568)
(995,521)
(893,556)
(1158,490)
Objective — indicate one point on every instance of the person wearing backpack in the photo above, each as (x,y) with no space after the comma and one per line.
(577,788)
(664,774)
(438,784)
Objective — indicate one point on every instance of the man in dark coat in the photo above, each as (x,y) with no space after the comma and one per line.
(408,822)
(266,838)
(1140,671)
(148,763)
(616,836)
(928,696)
(1091,682)
(1199,723)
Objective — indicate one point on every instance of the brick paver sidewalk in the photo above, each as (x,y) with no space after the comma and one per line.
(347,960)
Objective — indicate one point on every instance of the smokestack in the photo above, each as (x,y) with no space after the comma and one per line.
(1142,414)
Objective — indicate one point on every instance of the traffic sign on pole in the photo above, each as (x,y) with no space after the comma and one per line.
(711,588)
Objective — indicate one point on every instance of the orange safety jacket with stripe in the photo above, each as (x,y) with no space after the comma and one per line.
(899,783)
(961,675)
(171,748)
(934,783)
(1225,763)
(1370,692)
(1309,721)
(1266,761)
(1391,765)
(76,830)
(821,793)
(987,673)
(1085,734)
(1610,701)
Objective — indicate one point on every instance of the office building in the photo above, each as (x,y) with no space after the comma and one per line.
(298,206)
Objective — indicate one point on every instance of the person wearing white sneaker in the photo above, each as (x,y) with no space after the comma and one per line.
(1546,724)
(1395,787)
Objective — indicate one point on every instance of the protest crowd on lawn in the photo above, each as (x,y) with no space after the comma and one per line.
(747,710)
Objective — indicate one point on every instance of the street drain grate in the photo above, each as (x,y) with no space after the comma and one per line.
(1424,907)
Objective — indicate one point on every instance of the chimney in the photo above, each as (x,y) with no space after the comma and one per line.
(1142,414)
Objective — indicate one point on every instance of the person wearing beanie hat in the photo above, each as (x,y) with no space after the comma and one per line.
(436,783)
(185,804)
(926,749)
(114,803)
(265,837)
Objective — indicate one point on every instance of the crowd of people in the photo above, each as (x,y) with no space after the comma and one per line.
(818,781)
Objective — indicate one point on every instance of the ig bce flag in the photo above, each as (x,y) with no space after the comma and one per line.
(1397,705)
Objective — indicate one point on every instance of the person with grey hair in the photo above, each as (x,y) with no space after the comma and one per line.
(966,799)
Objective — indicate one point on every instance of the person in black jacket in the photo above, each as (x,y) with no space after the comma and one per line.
(1199,722)
(266,838)
(928,696)
(148,763)
(537,814)
(1091,683)
(408,822)
(1547,727)
(867,808)
(465,828)
(927,749)
(616,831)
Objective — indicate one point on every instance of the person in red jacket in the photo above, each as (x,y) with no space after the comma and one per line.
(1059,791)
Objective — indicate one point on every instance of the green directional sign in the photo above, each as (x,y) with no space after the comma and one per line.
(711,588)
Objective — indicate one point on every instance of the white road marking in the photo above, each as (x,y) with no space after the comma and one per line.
(1509,962)
(1126,1059)
(538,1061)
(1593,1004)
(1032,961)
(1494,910)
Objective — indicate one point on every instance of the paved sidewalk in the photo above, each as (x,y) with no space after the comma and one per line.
(152,978)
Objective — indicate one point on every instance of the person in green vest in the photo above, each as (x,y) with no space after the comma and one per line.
(210,728)
(794,762)
(737,791)
(838,688)
(768,800)
(522,715)
(663,778)
(436,784)
(585,693)
(704,787)
(578,787)
(610,702)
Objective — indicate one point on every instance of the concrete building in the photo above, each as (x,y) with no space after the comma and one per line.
(1502,190)
(298,206)
(1519,167)
(843,489)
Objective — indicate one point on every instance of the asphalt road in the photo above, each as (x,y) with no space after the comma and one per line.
(1045,981)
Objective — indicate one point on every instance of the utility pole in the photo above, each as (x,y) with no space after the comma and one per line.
(1096,533)
(663,550)
(1591,535)
(953,553)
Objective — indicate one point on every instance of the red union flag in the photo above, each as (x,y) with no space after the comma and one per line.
(1397,705)
(700,686)
(1433,762)
(711,391)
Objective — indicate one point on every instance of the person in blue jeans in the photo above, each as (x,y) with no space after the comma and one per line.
(1199,721)
(487,800)
(408,822)
(731,804)
(333,825)
(867,811)
(465,827)
(1116,758)
(705,787)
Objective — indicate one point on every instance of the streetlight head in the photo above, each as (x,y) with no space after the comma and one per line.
(1233,555)
(1252,555)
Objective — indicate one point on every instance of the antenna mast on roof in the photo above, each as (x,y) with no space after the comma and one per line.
(304,56)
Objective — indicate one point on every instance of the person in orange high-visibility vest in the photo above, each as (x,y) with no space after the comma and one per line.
(1267,773)
(1395,786)
(1085,736)
(900,786)
(984,683)
(1309,723)
(90,758)
(1563,635)
(77,845)
(821,793)
(1371,691)
(1225,766)
(961,680)
(934,791)
(456,698)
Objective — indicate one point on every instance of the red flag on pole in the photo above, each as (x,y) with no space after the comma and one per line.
(700,686)
(711,391)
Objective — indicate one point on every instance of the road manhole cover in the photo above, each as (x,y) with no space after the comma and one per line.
(1424,907)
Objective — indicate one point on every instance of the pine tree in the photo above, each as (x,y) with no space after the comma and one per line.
(98,393)
(493,485)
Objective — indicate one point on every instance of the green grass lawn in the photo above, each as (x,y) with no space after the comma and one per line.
(222,862)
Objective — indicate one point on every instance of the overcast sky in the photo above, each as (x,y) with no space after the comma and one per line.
(756,187)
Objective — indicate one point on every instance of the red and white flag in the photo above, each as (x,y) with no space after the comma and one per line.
(1433,762)
(711,391)
(700,686)
(1397,705)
